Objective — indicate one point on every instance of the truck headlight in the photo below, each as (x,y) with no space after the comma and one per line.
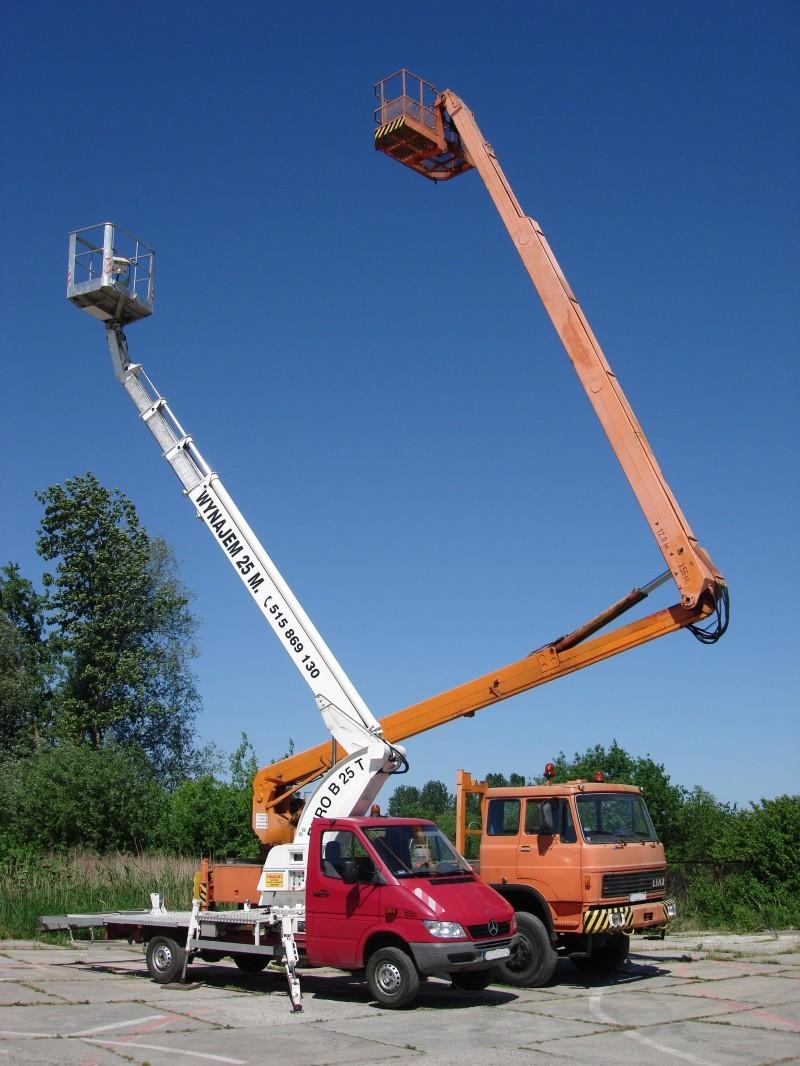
(446,930)
(671,909)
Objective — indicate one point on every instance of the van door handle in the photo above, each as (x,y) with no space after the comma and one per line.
(322,892)
(525,847)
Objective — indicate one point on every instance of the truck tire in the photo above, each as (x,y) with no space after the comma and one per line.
(604,959)
(392,978)
(164,959)
(251,963)
(534,961)
(473,980)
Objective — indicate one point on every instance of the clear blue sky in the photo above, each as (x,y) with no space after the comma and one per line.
(361,357)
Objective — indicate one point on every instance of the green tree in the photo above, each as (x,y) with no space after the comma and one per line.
(26,664)
(501,781)
(208,816)
(705,830)
(124,629)
(432,801)
(243,765)
(71,795)
(767,838)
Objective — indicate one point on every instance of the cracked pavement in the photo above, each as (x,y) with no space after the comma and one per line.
(703,999)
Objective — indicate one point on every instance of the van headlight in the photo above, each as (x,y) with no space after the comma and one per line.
(446,930)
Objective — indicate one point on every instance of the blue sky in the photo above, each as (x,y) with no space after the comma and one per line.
(361,357)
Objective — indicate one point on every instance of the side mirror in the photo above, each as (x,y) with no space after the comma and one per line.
(547,828)
(360,872)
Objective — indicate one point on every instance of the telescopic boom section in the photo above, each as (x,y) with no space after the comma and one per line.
(436,135)
(110,276)
(347,717)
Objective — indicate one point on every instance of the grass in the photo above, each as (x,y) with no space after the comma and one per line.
(76,882)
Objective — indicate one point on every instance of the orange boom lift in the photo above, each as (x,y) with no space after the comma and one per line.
(435,134)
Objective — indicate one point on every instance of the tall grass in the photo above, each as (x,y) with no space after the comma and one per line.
(77,882)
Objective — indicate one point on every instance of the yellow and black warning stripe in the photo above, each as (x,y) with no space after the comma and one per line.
(598,920)
(389,127)
(200,890)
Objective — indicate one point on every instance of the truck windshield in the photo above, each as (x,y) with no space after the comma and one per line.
(612,816)
(416,851)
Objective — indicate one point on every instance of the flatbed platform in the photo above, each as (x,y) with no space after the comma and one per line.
(251,916)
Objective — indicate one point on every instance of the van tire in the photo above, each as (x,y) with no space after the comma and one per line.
(392,978)
(251,963)
(605,959)
(534,962)
(473,980)
(164,959)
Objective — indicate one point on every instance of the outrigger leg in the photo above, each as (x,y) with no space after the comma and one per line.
(291,958)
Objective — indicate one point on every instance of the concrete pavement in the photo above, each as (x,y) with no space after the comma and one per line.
(706,1000)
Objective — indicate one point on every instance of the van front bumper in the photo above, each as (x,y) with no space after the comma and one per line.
(449,956)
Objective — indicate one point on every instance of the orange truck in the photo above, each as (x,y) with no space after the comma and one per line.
(580,862)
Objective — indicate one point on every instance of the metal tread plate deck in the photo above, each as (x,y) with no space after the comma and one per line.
(253,916)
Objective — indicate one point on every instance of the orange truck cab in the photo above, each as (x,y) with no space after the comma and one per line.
(581,864)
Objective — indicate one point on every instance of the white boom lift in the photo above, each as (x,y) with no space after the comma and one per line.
(110,275)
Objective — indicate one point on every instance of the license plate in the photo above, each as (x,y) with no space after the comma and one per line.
(497,953)
(637,897)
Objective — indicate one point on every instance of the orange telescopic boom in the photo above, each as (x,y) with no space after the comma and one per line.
(435,134)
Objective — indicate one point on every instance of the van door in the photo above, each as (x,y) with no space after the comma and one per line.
(340,914)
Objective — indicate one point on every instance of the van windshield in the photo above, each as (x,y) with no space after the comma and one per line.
(610,817)
(416,851)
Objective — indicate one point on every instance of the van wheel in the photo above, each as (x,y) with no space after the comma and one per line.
(605,959)
(251,963)
(473,980)
(392,977)
(534,962)
(164,959)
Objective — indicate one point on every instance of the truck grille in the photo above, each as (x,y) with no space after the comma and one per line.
(480,932)
(641,881)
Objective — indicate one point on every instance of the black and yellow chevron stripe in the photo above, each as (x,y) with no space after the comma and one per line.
(200,890)
(598,920)
(389,127)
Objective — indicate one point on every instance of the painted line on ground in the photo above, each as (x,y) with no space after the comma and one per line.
(634,1034)
(169,1050)
(120,1025)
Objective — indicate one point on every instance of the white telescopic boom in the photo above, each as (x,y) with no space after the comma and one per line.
(347,717)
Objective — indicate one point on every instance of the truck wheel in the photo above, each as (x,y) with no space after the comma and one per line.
(392,977)
(473,980)
(251,963)
(164,959)
(533,963)
(605,959)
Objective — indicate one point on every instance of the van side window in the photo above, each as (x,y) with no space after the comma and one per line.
(337,847)
(503,818)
